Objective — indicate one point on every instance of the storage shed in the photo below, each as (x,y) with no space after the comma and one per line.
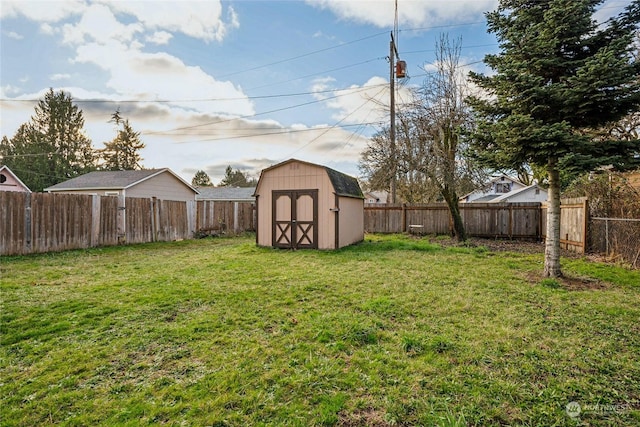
(305,205)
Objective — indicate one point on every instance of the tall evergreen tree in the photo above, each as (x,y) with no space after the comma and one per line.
(28,157)
(201,179)
(52,147)
(123,152)
(59,124)
(559,76)
(237,178)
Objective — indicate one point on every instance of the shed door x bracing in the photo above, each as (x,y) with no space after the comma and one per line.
(295,219)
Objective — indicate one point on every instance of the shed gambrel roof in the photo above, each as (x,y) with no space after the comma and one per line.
(105,180)
(343,184)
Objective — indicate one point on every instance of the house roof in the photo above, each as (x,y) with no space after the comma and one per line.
(104,180)
(512,193)
(502,178)
(5,169)
(485,199)
(343,184)
(233,194)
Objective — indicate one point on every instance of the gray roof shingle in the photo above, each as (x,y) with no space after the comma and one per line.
(105,179)
(344,185)
(233,194)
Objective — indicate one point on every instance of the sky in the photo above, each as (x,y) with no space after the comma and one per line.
(244,83)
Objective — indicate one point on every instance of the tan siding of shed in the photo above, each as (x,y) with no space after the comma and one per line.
(297,176)
(351,221)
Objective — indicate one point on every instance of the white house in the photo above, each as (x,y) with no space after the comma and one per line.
(10,182)
(504,189)
(379,197)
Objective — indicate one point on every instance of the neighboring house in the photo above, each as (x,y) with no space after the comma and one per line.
(10,182)
(504,189)
(304,205)
(226,194)
(160,183)
(376,197)
(532,193)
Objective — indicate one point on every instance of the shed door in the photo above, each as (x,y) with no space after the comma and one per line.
(295,219)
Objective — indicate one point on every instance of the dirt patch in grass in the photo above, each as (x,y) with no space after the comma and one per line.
(583,284)
(364,417)
(569,283)
(497,245)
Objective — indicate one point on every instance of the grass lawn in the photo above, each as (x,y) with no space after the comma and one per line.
(393,331)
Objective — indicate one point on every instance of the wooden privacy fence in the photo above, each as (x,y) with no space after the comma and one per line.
(43,222)
(510,220)
(496,220)
(574,217)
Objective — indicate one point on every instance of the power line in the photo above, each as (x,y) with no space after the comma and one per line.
(279,131)
(161,101)
(336,124)
(304,55)
(362,89)
(318,73)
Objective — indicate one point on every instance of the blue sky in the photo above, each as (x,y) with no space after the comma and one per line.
(241,83)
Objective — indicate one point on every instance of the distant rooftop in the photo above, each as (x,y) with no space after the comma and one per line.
(233,194)
(99,180)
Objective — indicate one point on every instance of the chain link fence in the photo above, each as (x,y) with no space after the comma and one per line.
(617,238)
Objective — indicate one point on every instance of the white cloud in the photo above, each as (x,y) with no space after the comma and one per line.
(14,35)
(99,24)
(8,90)
(367,103)
(143,75)
(320,86)
(159,37)
(411,13)
(41,10)
(47,29)
(198,19)
(56,77)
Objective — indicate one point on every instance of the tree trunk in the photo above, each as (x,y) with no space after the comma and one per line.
(552,245)
(458,226)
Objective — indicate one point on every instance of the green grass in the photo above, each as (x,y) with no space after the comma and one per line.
(393,331)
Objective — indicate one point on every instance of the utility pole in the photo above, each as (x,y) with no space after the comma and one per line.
(393,52)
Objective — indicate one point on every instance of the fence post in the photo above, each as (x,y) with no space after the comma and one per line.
(606,235)
(191,218)
(153,219)
(585,229)
(155,213)
(28,230)
(122,220)
(510,221)
(404,218)
(236,226)
(95,220)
